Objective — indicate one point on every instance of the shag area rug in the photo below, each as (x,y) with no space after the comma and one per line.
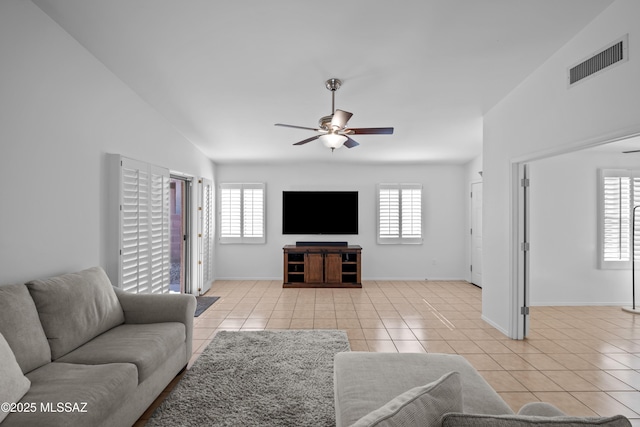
(202,303)
(258,378)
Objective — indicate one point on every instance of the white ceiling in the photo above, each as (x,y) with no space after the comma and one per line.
(224,72)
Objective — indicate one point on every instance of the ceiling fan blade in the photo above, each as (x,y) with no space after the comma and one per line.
(350,143)
(340,119)
(296,127)
(304,141)
(631,151)
(371,131)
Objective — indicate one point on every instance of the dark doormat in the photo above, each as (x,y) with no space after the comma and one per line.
(203,303)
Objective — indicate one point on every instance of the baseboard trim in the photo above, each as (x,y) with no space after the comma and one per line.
(576,304)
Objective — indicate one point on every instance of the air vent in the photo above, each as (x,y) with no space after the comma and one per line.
(614,53)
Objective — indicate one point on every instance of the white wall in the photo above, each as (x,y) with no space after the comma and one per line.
(542,115)
(564,232)
(61,111)
(440,257)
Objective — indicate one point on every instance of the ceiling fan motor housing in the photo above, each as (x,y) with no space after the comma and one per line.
(325,123)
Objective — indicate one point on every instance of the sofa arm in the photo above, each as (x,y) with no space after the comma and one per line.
(159,308)
(540,409)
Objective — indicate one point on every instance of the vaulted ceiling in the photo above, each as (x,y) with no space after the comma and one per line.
(224,72)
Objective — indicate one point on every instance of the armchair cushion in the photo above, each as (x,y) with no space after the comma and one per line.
(478,420)
(420,406)
(540,409)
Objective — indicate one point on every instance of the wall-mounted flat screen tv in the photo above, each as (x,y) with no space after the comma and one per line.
(319,212)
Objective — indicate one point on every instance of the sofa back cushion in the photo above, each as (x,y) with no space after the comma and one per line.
(13,383)
(75,307)
(20,326)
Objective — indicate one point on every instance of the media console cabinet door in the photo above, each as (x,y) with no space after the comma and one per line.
(333,268)
(313,268)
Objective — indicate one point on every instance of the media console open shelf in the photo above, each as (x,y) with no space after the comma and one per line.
(322,266)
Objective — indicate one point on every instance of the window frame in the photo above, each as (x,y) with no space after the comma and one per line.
(399,238)
(241,237)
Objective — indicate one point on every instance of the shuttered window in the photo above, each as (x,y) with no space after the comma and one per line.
(619,193)
(399,213)
(242,213)
(144,227)
(205,235)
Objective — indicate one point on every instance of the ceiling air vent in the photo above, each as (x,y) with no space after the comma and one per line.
(614,53)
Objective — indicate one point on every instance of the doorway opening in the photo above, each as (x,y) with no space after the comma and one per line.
(179,255)
(555,237)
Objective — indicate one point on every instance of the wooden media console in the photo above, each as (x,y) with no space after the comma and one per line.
(322,266)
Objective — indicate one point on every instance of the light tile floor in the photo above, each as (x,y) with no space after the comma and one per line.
(585,360)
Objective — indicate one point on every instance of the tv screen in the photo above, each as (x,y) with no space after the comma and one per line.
(319,212)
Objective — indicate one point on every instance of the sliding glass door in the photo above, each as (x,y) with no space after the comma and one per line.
(179,240)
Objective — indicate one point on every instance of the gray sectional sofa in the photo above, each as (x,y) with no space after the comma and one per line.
(76,351)
(412,389)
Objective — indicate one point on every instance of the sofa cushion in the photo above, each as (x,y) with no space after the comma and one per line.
(366,381)
(13,383)
(21,327)
(146,346)
(479,420)
(420,406)
(75,307)
(76,395)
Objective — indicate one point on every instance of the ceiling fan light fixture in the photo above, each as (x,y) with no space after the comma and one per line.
(333,140)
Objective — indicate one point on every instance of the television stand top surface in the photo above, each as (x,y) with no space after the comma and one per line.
(320,243)
(311,247)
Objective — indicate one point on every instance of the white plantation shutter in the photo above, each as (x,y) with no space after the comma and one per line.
(253,212)
(636,202)
(399,213)
(412,213)
(389,213)
(160,239)
(242,213)
(205,234)
(230,211)
(144,227)
(620,192)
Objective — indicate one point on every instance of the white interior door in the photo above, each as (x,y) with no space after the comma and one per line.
(476,234)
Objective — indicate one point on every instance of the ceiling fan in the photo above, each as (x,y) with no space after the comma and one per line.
(631,151)
(333,130)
